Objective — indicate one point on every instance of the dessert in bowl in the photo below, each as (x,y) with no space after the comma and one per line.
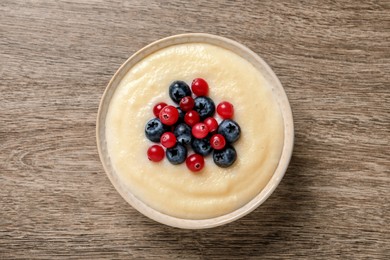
(170,192)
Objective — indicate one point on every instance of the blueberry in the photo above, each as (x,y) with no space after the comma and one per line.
(179,89)
(230,130)
(154,130)
(201,146)
(225,157)
(183,133)
(181,115)
(177,154)
(205,107)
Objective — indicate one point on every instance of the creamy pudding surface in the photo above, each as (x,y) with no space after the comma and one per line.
(174,189)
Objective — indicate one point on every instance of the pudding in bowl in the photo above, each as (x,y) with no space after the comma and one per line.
(172,194)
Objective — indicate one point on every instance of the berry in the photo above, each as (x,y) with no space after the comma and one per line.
(154,130)
(200,130)
(204,106)
(169,115)
(230,130)
(157,108)
(168,139)
(200,87)
(176,127)
(191,118)
(195,162)
(181,115)
(155,153)
(177,154)
(183,133)
(225,157)
(217,141)
(201,146)
(179,89)
(225,110)
(211,123)
(187,103)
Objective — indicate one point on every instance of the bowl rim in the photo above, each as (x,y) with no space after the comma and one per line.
(278,92)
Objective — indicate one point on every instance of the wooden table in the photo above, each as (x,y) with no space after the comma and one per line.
(56,58)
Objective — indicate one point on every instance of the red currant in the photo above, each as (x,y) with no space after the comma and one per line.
(195,162)
(200,87)
(211,123)
(157,108)
(217,141)
(168,140)
(187,103)
(191,118)
(169,115)
(156,153)
(200,130)
(225,110)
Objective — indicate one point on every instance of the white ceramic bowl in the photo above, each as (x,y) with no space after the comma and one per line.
(278,92)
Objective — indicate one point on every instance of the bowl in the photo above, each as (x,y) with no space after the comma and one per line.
(277,90)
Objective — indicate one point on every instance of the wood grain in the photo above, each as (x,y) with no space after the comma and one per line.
(333,58)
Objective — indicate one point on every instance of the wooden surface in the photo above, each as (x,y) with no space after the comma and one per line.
(333,58)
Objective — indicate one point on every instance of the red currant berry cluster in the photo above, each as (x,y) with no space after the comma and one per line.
(192,123)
